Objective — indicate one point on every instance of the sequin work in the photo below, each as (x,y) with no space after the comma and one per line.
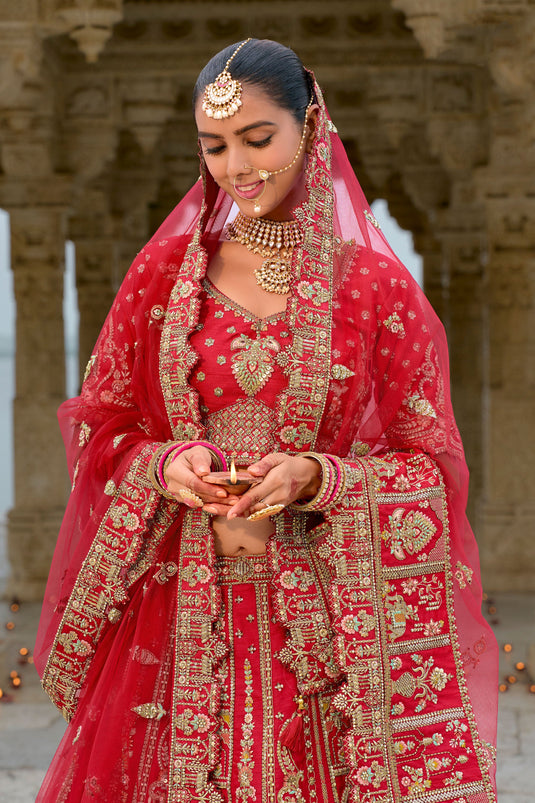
(259,698)
(238,375)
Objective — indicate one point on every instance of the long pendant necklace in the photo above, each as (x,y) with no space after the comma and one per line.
(273,239)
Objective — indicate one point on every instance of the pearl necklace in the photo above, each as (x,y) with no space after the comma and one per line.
(274,239)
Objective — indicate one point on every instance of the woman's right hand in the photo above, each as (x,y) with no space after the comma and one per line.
(185,473)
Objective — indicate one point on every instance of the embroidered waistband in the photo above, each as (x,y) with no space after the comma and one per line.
(242,569)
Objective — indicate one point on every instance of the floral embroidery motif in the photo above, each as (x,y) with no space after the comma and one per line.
(313,291)
(463,575)
(371,774)
(299,436)
(252,366)
(83,435)
(409,532)
(157,312)
(298,578)
(246,762)
(183,288)
(420,406)
(423,683)
(394,324)
(194,573)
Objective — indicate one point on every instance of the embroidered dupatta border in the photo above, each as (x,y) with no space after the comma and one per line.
(363,555)
(300,410)
(101,586)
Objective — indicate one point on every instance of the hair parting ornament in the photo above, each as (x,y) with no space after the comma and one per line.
(222,98)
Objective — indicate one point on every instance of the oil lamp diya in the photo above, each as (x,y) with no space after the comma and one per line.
(233,481)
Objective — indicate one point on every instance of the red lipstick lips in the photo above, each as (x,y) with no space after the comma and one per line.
(249,191)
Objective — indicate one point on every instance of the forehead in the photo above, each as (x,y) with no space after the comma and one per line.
(257,105)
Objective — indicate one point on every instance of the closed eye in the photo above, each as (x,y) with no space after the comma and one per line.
(214,151)
(262,142)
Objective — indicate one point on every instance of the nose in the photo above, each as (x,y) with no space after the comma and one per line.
(237,163)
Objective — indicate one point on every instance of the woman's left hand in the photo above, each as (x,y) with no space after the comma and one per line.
(285,478)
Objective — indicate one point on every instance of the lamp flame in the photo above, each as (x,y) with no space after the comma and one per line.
(233,477)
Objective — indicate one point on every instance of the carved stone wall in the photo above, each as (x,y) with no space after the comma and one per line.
(435,103)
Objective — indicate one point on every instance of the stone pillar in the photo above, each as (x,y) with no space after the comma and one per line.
(37,245)
(91,230)
(507,511)
(466,341)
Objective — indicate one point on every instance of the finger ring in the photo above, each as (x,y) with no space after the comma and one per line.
(270,510)
(185,493)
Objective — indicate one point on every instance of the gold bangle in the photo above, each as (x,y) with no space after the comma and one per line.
(151,470)
(326,477)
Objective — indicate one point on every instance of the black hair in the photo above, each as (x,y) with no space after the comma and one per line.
(268,65)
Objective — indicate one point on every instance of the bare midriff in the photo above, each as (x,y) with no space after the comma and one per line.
(241,537)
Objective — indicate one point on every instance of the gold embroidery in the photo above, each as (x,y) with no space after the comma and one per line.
(89,366)
(463,575)
(165,572)
(340,372)
(150,710)
(101,584)
(420,406)
(368,215)
(84,433)
(395,325)
(244,430)
(408,532)
(253,365)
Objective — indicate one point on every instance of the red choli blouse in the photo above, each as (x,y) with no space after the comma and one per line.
(239,374)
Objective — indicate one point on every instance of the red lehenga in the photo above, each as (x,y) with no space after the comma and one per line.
(351,663)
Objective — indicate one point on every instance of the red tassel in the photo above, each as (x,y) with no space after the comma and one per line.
(291,735)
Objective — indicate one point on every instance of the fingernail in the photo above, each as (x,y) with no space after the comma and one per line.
(221,493)
(210,509)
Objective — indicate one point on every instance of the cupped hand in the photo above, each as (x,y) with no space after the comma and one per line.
(284,479)
(185,472)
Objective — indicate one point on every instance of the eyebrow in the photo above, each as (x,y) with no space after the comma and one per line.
(239,131)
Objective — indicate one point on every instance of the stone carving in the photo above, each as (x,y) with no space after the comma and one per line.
(88,101)
(434,101)
(89,22)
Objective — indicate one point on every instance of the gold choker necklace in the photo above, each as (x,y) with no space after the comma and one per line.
(274,239)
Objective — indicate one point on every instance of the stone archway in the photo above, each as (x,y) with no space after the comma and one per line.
(434,102)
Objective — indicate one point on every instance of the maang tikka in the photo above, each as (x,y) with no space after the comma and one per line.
(222,98)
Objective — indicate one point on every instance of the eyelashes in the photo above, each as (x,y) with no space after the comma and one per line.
(262,143)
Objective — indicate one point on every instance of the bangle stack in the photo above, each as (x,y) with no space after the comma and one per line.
(333,483)
(164,456)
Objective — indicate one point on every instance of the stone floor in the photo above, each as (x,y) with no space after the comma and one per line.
(30,727)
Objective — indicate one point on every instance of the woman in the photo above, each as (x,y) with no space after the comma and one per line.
(318,638)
